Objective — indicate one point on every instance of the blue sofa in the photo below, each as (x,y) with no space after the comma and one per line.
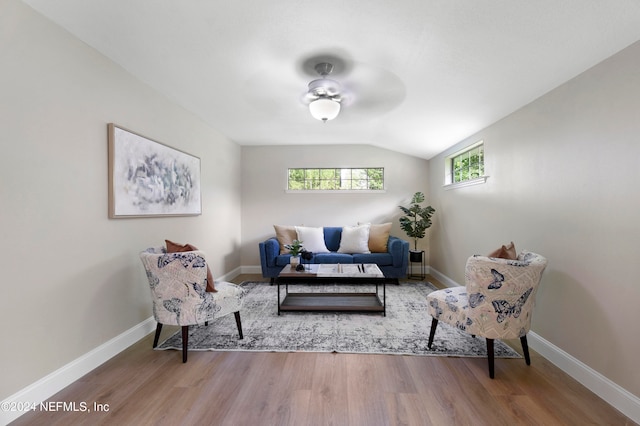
(393,263)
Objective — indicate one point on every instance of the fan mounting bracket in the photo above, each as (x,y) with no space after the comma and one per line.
(323,68)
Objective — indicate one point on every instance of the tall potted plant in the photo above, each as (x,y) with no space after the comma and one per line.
(415,222)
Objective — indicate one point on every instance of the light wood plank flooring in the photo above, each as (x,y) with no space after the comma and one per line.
(141,386)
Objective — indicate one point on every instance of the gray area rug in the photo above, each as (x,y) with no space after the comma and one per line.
(404,331)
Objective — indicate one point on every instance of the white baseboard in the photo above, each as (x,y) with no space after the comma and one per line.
(54,382)
(253,269)
(229,275)
(442,278)
(616,396)
(43,389)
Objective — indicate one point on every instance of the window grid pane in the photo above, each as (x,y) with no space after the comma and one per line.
(336,179)
(468,165)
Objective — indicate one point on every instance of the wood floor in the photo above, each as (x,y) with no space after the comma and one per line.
(141,387)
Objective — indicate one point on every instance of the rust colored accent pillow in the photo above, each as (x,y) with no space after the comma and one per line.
(379,237)
(505,252)
(285,235)
(180,248)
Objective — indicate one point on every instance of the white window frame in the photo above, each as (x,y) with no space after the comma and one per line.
(335,191)
(448,169)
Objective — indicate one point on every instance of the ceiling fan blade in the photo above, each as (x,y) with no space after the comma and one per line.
(372,90)
(308,97)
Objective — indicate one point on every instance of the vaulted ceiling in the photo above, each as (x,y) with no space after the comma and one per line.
(421,74)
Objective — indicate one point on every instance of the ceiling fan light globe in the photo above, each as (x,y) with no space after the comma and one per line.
(324,109)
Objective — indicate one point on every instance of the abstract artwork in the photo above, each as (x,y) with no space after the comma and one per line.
(147,178)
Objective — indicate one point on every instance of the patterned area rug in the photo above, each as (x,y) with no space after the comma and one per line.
(404,331)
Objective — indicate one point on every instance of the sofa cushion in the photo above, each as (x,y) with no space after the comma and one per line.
(180,248)
(332,237)
(285,235)
(380,259)
(332,258)
(379,237)
(355,239)
(283,260)
(312,239)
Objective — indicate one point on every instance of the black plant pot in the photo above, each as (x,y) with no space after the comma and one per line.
(415,256)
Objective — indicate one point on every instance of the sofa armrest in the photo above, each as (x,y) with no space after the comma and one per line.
(399,250)
(269,250)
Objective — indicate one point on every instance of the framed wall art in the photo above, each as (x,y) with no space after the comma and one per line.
(150,179)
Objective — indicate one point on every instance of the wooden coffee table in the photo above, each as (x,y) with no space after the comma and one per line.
(364,274)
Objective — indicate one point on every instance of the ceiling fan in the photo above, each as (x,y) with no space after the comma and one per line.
(324,95)
(331,85)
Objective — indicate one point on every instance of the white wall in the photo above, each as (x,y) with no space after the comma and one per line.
(265,202)
(71,278)
(564,174)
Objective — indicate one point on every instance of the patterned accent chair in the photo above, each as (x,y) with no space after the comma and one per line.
(495,303)
(178,283)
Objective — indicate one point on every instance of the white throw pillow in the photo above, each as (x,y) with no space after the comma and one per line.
(355,239)
(312,239)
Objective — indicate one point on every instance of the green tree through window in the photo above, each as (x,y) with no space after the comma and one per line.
(468,165)
(321,179)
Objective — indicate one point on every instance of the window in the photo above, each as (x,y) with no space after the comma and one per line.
(466,167)
(335,179)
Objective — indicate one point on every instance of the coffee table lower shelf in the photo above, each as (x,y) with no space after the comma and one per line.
(351,302)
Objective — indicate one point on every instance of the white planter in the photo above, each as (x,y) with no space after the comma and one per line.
(294,261)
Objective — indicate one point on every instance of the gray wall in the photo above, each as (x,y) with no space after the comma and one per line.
(71,278)
(563,182)
(265,202)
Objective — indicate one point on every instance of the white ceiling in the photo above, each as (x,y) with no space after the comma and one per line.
(424,74)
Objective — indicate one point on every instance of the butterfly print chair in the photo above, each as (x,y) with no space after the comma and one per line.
(178,283)
(495,303)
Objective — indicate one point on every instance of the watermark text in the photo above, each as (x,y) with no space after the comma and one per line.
(55,406)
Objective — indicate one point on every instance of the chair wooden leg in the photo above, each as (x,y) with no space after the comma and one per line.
(239,324)
(525,349)
(157,336)
(185,342)
(432,333)
(490,357)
